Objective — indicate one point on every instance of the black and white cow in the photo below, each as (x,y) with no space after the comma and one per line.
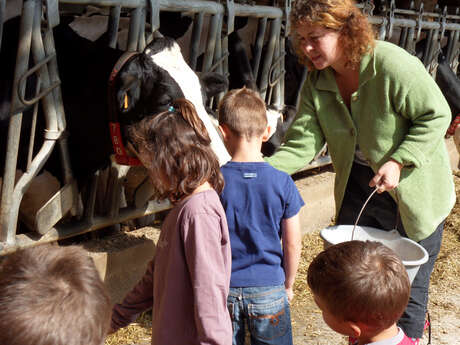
(449,84)
(241,74)
(150,80)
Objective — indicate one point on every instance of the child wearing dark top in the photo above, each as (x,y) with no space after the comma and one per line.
(187,282)
(262,206)
(362,289)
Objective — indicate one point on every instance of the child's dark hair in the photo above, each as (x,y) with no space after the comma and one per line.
(243,111)
(52,295)
(361,281)
(175,148)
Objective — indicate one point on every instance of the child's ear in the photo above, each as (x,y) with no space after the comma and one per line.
(223,129)
(266,134)
(355,329)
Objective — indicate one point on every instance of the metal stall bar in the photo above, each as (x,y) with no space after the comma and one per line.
(60,231)
(6,218)
(134,27)
(195,40)
(275,27)
(113,25)
(261,28)
(32,41)
(273,15)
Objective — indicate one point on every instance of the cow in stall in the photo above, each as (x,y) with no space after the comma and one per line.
(148,82)
(240,74)
(449,84)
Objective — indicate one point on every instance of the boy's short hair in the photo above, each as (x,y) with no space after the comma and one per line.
(52,295)
(243,111)
(361,282)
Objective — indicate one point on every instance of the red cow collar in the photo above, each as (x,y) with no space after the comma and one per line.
(121,156)
(453,126)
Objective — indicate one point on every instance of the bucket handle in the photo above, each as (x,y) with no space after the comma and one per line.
(361,211)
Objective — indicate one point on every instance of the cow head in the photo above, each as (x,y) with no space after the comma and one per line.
(149,82)
(279,122)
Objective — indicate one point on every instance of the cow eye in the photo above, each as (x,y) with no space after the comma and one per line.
(164,100)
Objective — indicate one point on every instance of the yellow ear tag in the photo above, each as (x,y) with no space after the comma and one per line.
(126,101)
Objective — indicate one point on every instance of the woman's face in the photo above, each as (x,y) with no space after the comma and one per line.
(320,45)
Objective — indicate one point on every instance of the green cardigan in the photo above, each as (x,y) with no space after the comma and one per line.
(397,112)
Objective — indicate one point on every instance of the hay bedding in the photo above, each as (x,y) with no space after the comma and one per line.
(308,327)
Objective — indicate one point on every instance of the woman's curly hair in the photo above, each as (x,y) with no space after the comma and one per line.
(175,148)
(357,34)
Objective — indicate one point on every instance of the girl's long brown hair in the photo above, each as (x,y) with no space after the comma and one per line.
(175,147)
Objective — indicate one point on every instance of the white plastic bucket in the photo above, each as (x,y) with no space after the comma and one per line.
(410,252)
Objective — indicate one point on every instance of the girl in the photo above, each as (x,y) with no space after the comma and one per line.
(188,280)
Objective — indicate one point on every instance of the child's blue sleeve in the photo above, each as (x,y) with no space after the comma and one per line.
(294,201)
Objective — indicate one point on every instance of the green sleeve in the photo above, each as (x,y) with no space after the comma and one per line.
(425,106)
(303,139)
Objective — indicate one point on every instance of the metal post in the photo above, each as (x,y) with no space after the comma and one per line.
(8,216)
(113,25)
(275,26)
(134,24)
(195,40)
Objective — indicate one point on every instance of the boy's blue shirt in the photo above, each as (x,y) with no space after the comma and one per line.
(256,198)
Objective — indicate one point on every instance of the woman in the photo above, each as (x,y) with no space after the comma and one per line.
(383,118)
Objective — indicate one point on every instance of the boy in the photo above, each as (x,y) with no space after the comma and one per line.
(362,289)
(262,206)
(52,295)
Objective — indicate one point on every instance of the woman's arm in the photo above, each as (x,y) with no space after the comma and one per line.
(418,99)
(304,139)
(427,109)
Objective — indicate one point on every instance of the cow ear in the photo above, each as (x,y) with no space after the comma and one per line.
(213,83)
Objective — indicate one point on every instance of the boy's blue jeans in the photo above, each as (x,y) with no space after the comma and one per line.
(265,311)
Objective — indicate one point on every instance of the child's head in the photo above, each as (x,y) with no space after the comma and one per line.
(243,112)
(52,295)
(359,283)
(175,147)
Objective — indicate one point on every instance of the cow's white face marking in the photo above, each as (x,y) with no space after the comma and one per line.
(172,61)
(272,119)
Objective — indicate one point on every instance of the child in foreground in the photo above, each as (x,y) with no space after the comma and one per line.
(362,289)
(187,282)
(262,206)
(52,295)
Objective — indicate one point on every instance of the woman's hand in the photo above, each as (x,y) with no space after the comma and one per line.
(387,177)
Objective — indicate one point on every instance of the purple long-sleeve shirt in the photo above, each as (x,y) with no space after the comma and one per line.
(187,282)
